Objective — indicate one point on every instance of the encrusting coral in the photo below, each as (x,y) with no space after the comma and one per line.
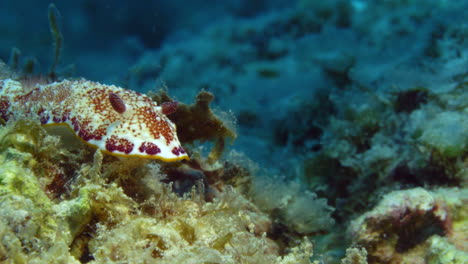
(178,230)
(31,230)
(355,256)
(409,226)
(68,206)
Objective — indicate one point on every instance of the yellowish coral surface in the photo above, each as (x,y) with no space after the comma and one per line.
(112,210)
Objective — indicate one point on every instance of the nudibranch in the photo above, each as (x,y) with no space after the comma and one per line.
(117,121)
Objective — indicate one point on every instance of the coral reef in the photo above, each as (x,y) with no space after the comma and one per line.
(31,229)
(298,209)
(409,226)
(348,115)
(113,210)
(355,256)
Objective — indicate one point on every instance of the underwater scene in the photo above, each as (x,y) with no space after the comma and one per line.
(235,131)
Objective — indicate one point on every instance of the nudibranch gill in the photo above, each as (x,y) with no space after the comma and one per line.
(117,121)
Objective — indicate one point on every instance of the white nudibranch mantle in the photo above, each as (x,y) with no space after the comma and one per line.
(117,121)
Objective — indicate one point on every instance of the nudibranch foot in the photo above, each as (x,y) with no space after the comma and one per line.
(117,121)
